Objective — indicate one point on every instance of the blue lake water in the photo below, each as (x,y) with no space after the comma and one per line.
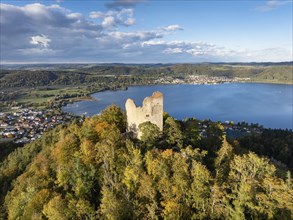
(270,105)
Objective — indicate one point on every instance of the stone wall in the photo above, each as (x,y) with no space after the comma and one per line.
(151,110)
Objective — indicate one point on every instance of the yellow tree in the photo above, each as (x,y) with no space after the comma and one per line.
(246,178)
(222,161)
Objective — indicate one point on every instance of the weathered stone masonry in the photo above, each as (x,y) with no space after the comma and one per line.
(151,110)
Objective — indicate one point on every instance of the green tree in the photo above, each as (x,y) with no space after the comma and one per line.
(64,154)
(200,191)
(222,161)
(34,208)
(151,134)
(81,208)
(147,194)
(113,206)
(134,167)
(84,179)
(173,133)
(191,132)
(56,208)
(88,131)
(247,172)
(219,202)
(114,116)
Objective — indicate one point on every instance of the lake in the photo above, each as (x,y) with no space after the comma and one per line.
(269,105)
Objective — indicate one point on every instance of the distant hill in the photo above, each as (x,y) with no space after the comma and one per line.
(76,74)
(287,63)
(63,66)
(26,78)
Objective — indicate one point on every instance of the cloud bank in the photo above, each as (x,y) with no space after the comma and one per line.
(41,33)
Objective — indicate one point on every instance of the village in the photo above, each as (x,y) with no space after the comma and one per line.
(199,79)
(25,124)
(232,130)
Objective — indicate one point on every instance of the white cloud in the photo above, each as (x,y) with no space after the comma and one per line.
(74,16)
(173,50)
(40,33)
(203,51)
(36,9)
(108,21)
(130,21)
(272,5)
(191,48)
(174,27)
(96,14)
(115,18)
(40,40)
(152,43)
(125,11)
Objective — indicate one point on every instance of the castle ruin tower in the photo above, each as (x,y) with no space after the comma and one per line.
(151,110)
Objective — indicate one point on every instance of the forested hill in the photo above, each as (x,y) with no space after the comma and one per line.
(95,170)
(77,74)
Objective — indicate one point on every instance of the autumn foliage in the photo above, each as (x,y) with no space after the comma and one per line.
(95,170)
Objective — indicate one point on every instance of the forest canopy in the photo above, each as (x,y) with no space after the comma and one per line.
(93,169)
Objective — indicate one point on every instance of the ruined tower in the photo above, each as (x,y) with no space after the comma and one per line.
(151,110)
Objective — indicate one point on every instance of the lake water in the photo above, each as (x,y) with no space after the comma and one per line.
(270,105)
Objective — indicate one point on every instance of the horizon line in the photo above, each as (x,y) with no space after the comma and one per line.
(139,63)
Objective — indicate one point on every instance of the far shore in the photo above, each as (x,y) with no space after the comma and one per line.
(91,98)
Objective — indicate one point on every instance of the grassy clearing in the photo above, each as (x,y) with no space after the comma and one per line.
(42,96)
(24,99)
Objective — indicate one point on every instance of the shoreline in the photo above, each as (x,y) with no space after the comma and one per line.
(211,84)
(90,98)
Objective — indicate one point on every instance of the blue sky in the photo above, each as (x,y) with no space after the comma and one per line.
(145,31)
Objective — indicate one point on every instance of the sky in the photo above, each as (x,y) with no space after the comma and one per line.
(145,31)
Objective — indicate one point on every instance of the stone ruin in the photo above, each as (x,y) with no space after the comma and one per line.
(151,110)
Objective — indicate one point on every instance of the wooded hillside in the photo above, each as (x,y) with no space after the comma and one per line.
(142,74)
(95,170)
